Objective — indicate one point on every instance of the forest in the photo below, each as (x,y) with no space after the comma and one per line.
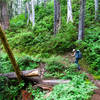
(49,50)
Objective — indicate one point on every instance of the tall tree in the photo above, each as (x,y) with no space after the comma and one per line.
(4,20)
(38,1)
(45,1)
(19,6)
(28,10)
(81,19)
(97,9)
(57,16)
(69,11)
(33,13)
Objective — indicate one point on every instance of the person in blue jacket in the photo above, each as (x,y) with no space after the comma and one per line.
(77,55)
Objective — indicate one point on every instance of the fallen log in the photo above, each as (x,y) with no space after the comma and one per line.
(32,76)
(28,73)
(55,82)
(35,77)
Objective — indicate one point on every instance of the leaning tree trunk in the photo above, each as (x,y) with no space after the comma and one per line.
(33,13)
(69,11)
(57,16)
(4,20)
(10,54)
(81,19)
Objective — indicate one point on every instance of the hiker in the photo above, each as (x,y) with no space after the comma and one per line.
(78,56)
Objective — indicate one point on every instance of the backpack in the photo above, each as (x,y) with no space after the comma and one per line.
(80,55)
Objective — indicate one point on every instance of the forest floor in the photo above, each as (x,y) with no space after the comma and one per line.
(96,95)
(83,65)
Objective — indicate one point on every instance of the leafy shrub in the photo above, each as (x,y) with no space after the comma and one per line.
(9,89)
(55,66)
(24,62)
(39,39)
(18,22)
(5,64)
(92,52)
(27,63)
(76,89)
(37,43)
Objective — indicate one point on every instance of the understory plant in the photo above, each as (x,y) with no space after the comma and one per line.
(77,89)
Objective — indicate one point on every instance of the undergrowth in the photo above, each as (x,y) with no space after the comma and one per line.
(76,89)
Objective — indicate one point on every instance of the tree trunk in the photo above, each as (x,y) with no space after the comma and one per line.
(96,9)
(57,16)
(25,10)
(10,54)
(81,19)
(4,20)
(10,10)
(45,1)
(19,6)
(28,9)
(69,11)
(33,13)
(38,1)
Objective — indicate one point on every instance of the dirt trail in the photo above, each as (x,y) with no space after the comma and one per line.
(96,95)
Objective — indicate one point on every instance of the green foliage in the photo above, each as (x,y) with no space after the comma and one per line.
(39,39)
(37,43)
(5,64)
(9,89)
(27,63)
(76,89)
(92,52)
(24,62)
(55,67)
(70,72)
(18,22)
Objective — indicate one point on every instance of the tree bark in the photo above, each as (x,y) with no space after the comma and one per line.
(28,73)
(4,20)
(27,6)
(19,6)
(97,10)
(57,16)
(10,54)
(69,11)
(81,19)
(45,1)
(33,13)
(55,82)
